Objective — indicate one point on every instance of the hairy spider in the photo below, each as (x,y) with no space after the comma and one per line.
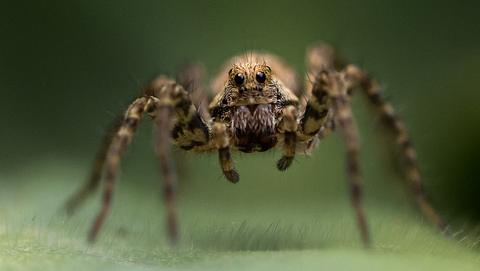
(256,107)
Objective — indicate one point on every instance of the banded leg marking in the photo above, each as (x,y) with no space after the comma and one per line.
(288,127)
(189,131)
(163,121)
(94,179)
(221,142)
(118,146)
(393,122)
(337,89)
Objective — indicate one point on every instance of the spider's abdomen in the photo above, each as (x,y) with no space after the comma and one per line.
(253,127)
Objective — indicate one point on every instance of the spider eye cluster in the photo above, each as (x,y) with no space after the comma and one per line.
(239,78)
(260,77)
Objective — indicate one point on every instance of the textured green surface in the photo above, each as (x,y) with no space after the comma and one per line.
(230,227)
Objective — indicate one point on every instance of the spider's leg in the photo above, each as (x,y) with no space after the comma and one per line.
(191,77)
(96,173)
(373,91)
(220,140)
(328,108)
(119,143)
(288,127)
(163,121)
(317,113)
(175,116)
(316,118)
(336,86)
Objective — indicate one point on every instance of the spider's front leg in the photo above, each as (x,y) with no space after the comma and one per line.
(175,116)
(288,127)
(220,141)
(118,144)
(317,120)
(327,106)
(329,103)
(170,106)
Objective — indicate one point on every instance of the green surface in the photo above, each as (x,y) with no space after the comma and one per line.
(230,227)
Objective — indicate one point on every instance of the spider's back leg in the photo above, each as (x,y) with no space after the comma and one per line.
(336,86)
(92,183)
(393,122)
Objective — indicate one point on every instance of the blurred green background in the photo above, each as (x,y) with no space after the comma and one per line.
(68,67)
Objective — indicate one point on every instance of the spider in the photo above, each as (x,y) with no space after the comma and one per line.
(256,106)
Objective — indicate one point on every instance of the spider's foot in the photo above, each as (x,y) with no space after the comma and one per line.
(69,209)
(92,235)
(232,176)
(172,230)
(284,163)
(71,206)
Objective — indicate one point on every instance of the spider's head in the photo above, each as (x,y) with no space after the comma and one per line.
(250,94)
(250,84)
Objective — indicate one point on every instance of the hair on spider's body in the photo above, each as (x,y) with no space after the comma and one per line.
(257,105)
(250,103)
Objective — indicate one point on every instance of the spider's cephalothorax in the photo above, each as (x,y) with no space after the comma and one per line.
(257,104)
(251,103)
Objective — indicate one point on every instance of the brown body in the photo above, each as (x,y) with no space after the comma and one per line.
(252,110)
(257,104)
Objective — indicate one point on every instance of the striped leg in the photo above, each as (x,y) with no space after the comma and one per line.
(316,117)
(117,147)
(176,116)
(317,113)
(221,142)
(163,121)
(394,123)
(96,174)
(189,132)
(326,106)
(168,103)
(336,87)
(192,78)
(288,127)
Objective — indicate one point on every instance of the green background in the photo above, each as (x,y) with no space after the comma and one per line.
(67,68)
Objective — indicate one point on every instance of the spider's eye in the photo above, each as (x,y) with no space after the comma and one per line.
(239,78)
(261,77)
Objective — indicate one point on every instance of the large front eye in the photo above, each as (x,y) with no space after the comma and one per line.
(239,78)
(261,77)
